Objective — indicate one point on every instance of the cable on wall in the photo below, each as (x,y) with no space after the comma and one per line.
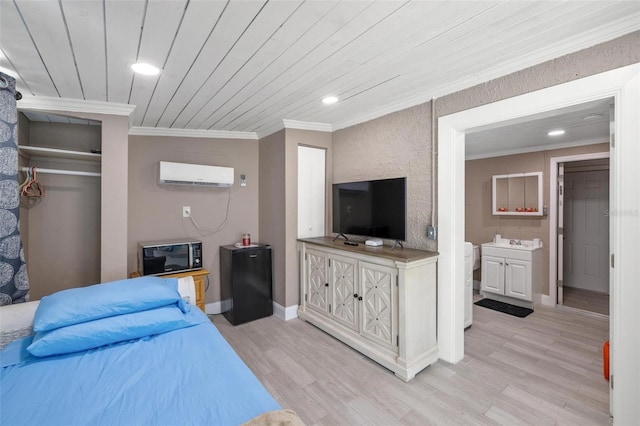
(202,232)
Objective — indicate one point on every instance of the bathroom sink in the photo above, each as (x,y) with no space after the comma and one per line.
(524,245)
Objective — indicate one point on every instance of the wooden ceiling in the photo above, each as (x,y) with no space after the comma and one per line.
(245,65)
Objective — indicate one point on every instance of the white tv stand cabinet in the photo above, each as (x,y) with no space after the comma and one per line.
(379,301)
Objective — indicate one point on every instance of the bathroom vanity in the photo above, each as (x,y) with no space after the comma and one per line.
(512,271)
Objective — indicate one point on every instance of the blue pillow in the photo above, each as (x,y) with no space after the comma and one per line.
(78,305)
(106,331)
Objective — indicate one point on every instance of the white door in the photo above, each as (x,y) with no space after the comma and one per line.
(586,248)
(311,192)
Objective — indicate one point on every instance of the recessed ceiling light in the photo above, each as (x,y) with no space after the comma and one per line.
(146,69)
(330,100)
(558,132)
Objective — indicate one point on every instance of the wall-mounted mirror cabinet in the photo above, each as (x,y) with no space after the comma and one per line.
(518,194)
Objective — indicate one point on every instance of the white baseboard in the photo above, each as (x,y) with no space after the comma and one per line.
(217,307)
(285,314)
(547,300)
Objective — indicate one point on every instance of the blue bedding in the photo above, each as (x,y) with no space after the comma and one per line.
(189,376)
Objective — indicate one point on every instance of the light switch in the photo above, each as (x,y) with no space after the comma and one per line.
(243,180)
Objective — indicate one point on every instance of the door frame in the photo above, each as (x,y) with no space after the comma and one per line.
(552,298)
(623,85)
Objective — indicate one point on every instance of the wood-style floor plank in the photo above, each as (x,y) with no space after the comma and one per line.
(545,369)
(586,300)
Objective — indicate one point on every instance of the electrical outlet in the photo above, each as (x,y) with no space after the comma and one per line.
(432,232)
(186,211)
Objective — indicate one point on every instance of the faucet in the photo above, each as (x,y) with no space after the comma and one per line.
(515,242)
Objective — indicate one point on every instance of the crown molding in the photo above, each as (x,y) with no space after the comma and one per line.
(44,103)
(307,125)
(597,36)
(191,133)
(294,124)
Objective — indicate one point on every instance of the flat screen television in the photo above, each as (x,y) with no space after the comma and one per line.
(372,208)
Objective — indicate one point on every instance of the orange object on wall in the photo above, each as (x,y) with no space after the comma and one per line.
(605,354)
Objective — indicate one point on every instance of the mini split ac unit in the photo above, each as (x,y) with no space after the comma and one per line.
(195,175)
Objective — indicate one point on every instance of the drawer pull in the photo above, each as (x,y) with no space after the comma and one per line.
(253,255)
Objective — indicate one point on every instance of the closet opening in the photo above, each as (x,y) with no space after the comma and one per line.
(60,164)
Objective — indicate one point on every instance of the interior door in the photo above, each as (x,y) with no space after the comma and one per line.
(560,234)
(587,230)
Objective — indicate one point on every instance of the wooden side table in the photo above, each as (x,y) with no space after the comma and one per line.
(199,278)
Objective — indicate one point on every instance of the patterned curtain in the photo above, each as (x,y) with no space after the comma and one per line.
(14,283)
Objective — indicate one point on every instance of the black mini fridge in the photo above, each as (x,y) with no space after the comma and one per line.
(245,279)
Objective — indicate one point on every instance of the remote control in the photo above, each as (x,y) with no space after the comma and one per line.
(350,243)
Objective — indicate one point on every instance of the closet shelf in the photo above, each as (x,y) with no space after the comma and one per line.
(61,172)
(61,153)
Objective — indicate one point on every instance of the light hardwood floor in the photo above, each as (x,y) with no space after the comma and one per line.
(586,300)
(544,369)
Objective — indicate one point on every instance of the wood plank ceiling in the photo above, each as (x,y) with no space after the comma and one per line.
(247,65)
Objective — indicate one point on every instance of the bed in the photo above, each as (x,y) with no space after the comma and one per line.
(110,356)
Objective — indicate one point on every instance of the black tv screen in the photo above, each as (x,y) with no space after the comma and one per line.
(373,208)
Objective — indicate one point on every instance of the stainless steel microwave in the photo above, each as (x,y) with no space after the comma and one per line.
(169,257)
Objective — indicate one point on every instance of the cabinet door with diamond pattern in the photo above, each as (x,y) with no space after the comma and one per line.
(318,291)
(345,294)
(379,322)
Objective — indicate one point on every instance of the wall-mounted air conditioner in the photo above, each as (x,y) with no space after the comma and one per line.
(195,175)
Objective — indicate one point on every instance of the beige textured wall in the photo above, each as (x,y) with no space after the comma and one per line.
(115,157)
(400,143)
(597,59)
(396,145)
(279,204)
(63,231)
(272,202)
(155,211)
(481,225)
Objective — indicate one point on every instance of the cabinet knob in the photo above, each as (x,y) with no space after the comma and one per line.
(355,295)
(326,284)
(359,297)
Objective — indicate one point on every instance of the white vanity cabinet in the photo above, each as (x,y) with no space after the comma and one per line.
(468,285)
(511,271)
(381,302)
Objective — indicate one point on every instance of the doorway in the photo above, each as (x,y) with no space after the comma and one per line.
(583,235)
(622,84)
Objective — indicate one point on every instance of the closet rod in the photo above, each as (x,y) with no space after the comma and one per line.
(61,172)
